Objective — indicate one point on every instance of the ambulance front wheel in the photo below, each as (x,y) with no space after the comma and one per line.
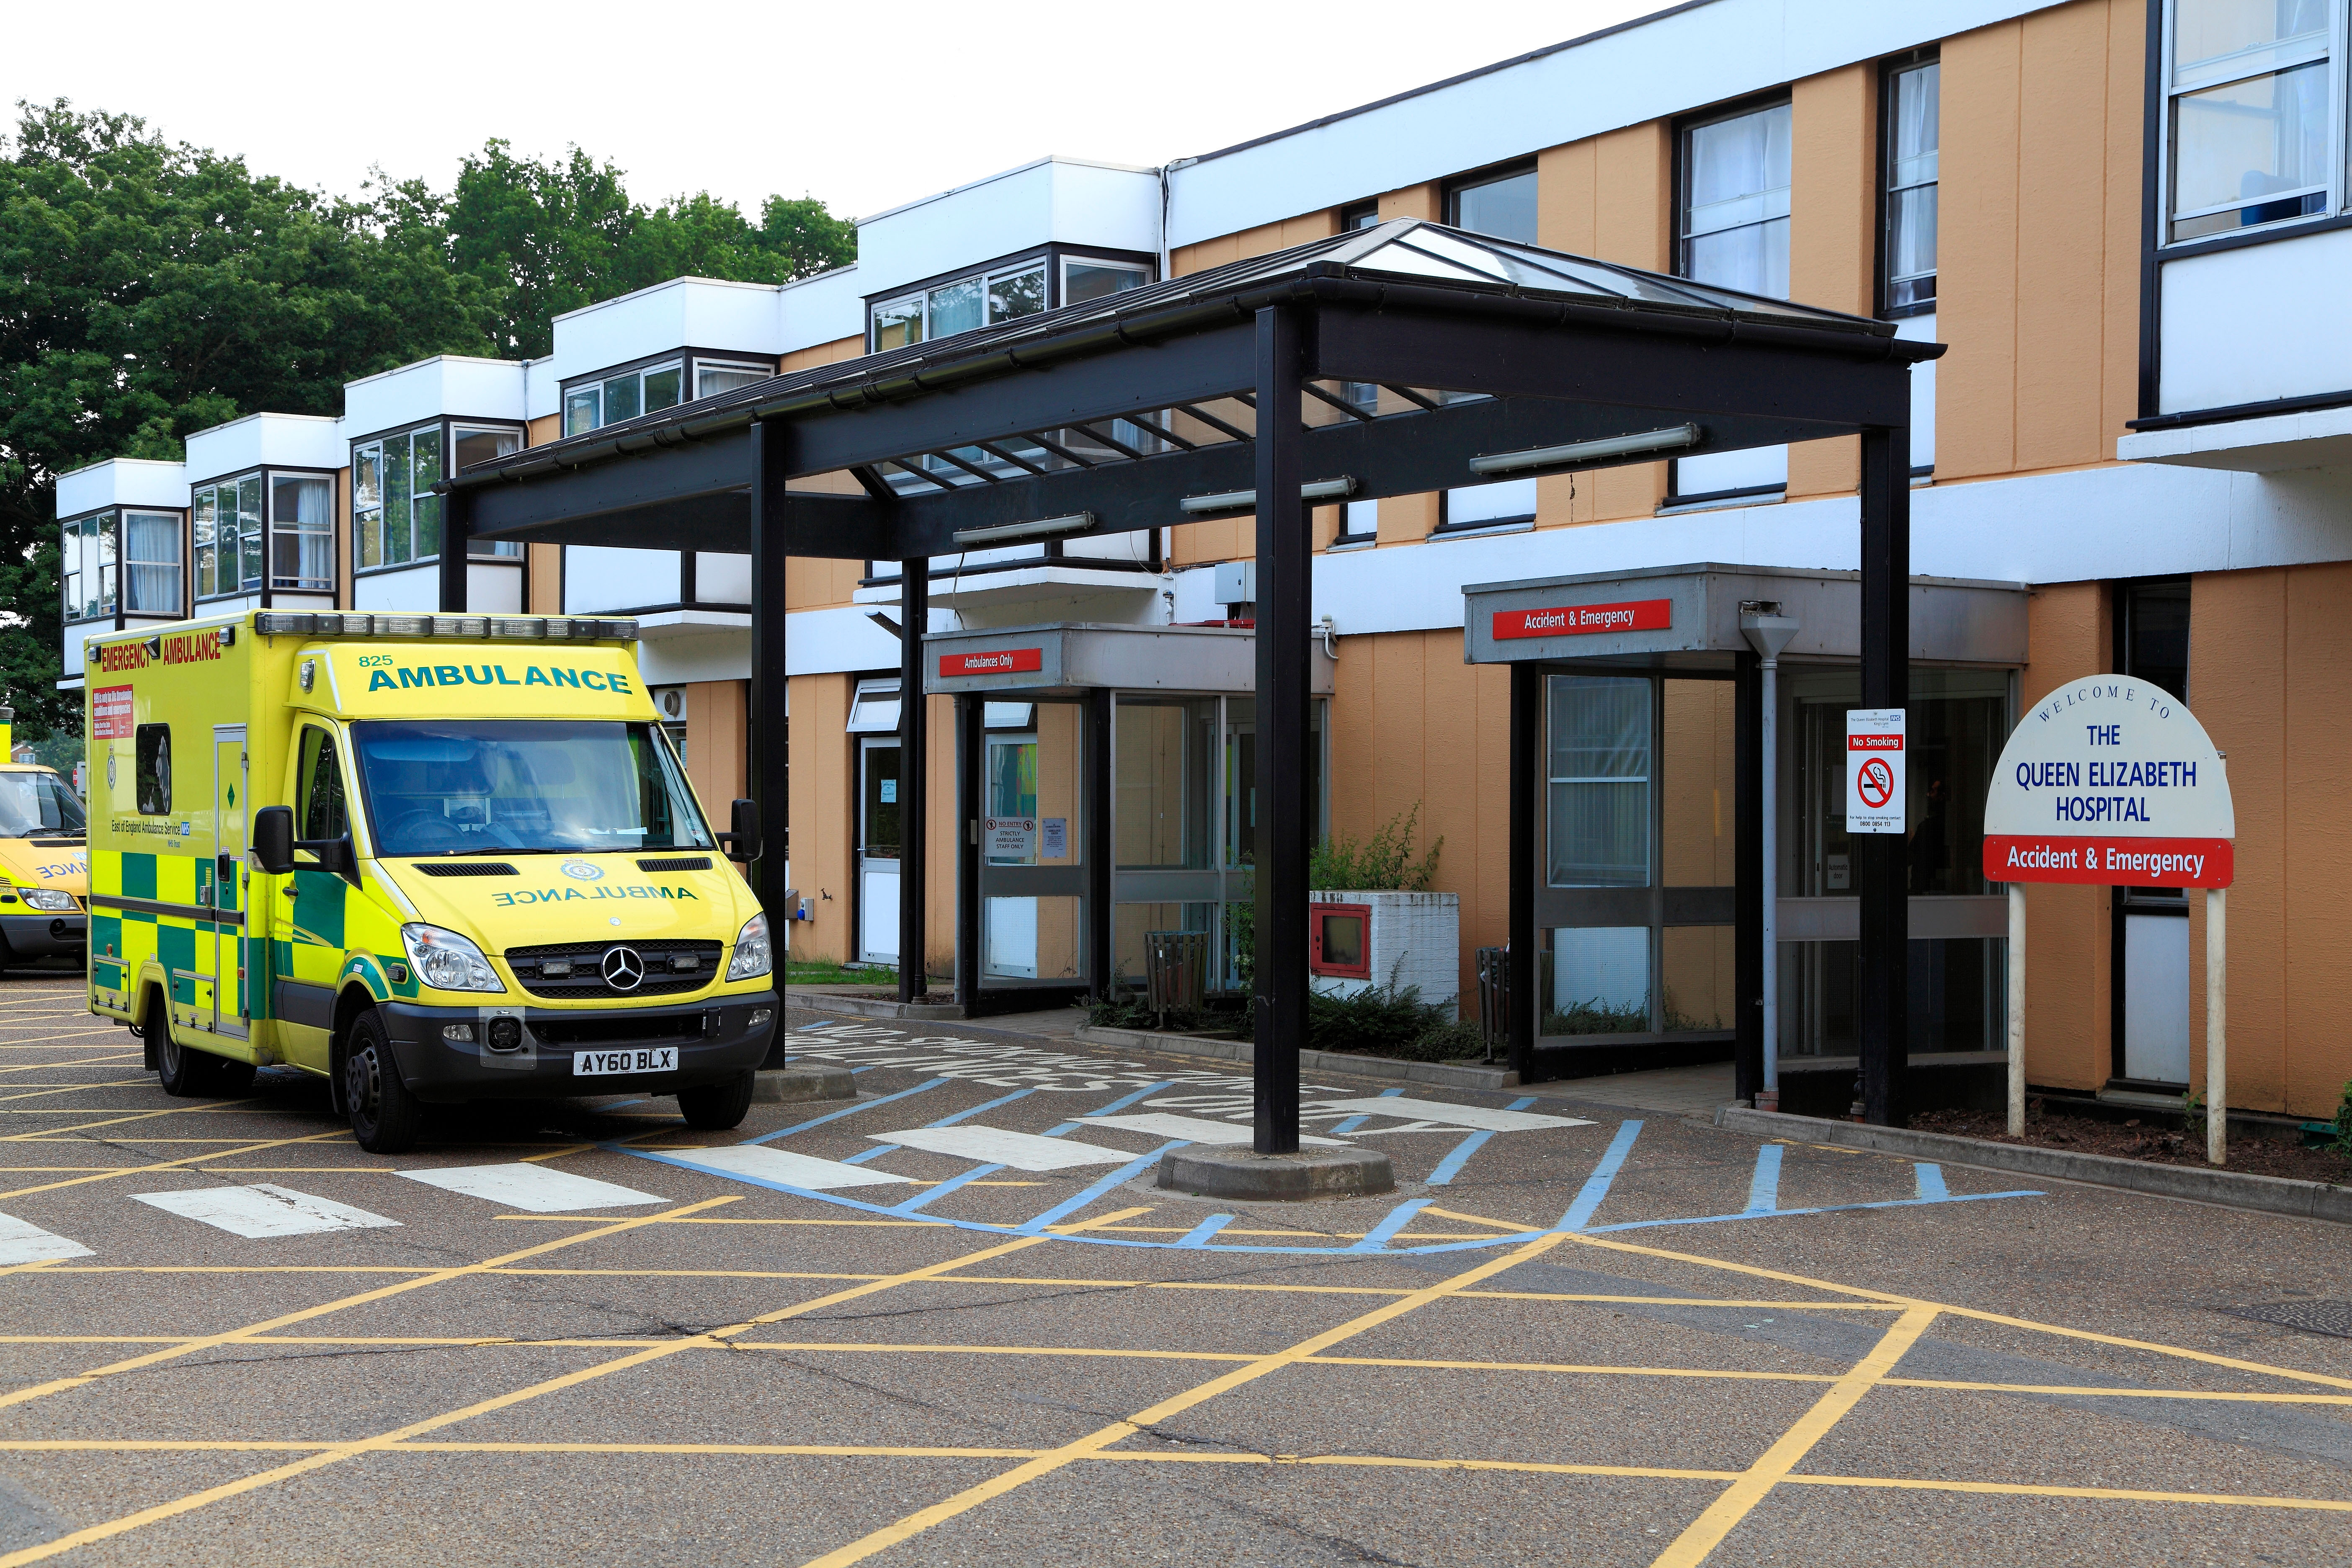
(385,1117)
(716,1107)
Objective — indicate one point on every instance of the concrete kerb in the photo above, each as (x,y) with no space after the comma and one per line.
(2228,1189)
(795,1085)
(817,1001)
(1240,1175)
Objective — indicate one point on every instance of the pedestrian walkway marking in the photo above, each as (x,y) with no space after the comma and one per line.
(994,1145)
(1596,1186)
(21,1241)
(263,1210)
(784,1165)
(851,1110)
(1454,1115)
(1355,1122)
(950,1119)
(1764,1187)
(534,1189)
(1451,1166)
(1193,1129)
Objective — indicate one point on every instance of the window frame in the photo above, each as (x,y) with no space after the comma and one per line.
(105,526)
(1763,103)
(697,366)
(178,564)
(272,526)
(1477,179)
(1055,257)
(2167,90)
(1888,70)
(258,587)
(379,441)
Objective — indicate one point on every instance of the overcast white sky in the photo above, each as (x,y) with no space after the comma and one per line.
(864,105)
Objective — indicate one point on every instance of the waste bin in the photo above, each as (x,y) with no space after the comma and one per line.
(1176,971)
(1494,1000)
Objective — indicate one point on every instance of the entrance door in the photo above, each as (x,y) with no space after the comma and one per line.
(878,849)
(2155,985)
(231,1009)
(1011,923)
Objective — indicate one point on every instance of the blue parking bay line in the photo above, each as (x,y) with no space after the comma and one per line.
(1764,1187)
(1395,1220)
(915,1203)
(1355,1122)
(1125,1172)
(1931,1182)
(1113,1109)
(1596,1186)
(1199,1233)
(845,1111)
(950,1119)
(1451,1166)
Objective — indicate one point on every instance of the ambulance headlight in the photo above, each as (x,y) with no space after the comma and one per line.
(753,956)
(447,962)
(55,899)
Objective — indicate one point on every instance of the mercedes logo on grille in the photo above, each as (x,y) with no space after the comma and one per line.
(624,970)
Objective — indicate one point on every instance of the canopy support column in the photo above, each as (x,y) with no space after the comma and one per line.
(914,776)
(765,753)
(1286,820)
(1526,812)
(1881,862)
(456,525)
(1095,852)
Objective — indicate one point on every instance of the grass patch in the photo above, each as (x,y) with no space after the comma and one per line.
(826,972)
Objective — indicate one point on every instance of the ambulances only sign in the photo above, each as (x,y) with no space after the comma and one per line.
(1873,770)
(2110,780)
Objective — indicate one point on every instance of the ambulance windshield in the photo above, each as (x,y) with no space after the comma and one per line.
(39,805)
(522,786)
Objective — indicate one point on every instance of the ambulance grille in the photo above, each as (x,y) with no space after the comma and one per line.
(586,980)
(676,863)
(466,868)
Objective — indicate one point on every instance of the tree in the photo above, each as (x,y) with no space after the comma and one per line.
(149,290)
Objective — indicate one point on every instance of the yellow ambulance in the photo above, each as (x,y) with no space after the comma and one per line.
(44,865)
(430,859)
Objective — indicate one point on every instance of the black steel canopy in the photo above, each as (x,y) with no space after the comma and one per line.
(1399,360)
(1484,347)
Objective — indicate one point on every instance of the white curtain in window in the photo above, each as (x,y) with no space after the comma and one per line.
(1736,227)
(1599,782)
(152,556)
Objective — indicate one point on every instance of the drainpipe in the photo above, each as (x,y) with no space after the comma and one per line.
(1768,632)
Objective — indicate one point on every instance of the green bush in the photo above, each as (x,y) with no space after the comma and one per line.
(1385,1021)
(1381,864)
(2343,1144)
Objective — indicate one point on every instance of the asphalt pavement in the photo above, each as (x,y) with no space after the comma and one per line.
(954,1321)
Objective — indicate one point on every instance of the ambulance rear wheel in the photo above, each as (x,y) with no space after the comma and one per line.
(179,1069)
(716,1107)
(386,1118)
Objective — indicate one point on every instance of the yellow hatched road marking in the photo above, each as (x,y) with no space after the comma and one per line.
(1118,1431)
(1708,1531)
(108,1175)
(80,1062)
(64,1089)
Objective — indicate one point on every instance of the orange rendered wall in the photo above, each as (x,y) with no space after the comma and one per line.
(2069,1039)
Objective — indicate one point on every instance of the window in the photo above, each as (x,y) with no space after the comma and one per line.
(1912,114)
(229,537)
(985,300)
(1734,209)
(1339,941)
(301,532)
(88,565)
(470,444)
(1501,205)
(395,516)
(1599,781)
(624,396)
(151,561)
(710,380)
(153,743)
(319,790)
(1085,281)
(2250,92)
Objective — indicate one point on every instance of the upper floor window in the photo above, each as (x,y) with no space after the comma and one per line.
(88,565)
(962,306)
(229,537)
(395,516)
(2249,88)
(1912,137)
(127,561)
(710,380)
(1501,205)
(1734,231)
(624,396)
(1083,280)
(302,532)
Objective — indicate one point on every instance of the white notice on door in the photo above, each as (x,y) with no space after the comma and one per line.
(1009,837)
(1873,770)
(1052,837)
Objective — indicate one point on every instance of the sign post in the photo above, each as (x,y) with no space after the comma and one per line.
(2112,781)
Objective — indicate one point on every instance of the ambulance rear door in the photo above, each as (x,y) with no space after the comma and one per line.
(232,1012)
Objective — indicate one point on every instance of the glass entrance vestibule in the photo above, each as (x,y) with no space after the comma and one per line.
(1637,851)
(1107,788)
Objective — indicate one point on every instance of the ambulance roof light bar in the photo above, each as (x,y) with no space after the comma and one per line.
(532,628)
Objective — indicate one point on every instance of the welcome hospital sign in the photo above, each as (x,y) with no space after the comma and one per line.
(2110,780)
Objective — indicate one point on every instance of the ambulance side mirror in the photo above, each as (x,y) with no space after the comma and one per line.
(743,839)
(273,839)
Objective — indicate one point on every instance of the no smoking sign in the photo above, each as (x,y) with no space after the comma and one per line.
(1874,774)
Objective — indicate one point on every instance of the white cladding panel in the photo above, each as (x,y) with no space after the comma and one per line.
(541,396)
(598,580)
(1693,56)
(446,384)
(122,481)
(825,309)
(289,440)
(2256,322)
(1059,199)
(696,312)
(414,592)
(721,578)
(1921,330)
